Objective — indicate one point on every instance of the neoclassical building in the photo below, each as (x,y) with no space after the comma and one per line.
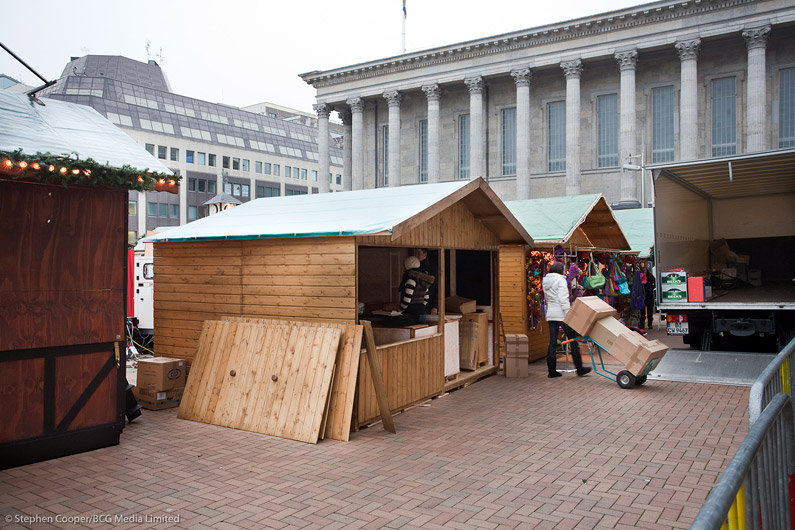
(565,108)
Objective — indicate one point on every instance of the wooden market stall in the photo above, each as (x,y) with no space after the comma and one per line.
(63,282)
(322,257)
(571,223)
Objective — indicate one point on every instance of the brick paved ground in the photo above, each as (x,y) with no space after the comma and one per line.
(531,453)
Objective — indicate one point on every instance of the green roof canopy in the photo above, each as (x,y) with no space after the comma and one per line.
(638,226)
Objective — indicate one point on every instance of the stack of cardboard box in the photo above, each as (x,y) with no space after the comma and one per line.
(591,316)
(516,355)
(160,382)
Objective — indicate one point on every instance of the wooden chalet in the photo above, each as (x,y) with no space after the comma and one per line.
(323,257)
(63,279)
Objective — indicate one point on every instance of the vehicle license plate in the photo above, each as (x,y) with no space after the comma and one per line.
(678,328)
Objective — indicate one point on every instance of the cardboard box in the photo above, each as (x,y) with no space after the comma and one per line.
(516,346)
(695,289)
(606,331)
(673,286)
(468,340)
(516,367)
(458,304)
(482,345)
(158,400)
(161,373)
(585,312)
(637,354)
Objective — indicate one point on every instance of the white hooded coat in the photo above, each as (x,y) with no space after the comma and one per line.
(557,296)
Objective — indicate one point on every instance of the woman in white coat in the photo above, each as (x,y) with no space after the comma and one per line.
(556,293)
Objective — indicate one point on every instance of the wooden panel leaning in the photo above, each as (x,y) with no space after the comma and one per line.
(343,385)
(270,379)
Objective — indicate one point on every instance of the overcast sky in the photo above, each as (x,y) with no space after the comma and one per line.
(245,52)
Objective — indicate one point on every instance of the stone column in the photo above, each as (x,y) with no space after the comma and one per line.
(393,99)
(434,94)
(323,157)
(756,41)
(573,71)
(627,61)
(357,137)
(142,212)
(345,117)
(522,78)
(688,102)
(476,152)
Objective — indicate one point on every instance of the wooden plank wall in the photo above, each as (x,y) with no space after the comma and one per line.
(62,266)
(306,278)
(454,227)
(513,288)
(413,371)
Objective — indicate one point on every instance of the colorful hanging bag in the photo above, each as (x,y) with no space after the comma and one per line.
(595,279)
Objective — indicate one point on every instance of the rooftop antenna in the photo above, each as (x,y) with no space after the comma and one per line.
(148,55)
(160,58)
(85,50)
(404,26)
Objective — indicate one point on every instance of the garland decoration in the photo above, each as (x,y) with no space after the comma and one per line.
(537,264)
(62,169)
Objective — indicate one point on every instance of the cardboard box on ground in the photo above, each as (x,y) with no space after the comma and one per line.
(160,382)
(516,355)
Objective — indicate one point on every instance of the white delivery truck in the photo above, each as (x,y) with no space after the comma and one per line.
(724,233)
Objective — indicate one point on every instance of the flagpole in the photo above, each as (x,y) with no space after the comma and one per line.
(404,26)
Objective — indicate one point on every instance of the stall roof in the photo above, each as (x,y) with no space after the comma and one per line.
(582,220)
(766,173)
(638,226)
(380,211)
(75,131)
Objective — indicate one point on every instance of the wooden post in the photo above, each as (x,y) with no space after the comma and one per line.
(375,372)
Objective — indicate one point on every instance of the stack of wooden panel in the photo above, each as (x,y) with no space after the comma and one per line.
(285,378)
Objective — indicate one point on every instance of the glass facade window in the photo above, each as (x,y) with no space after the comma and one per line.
(173,211)
(296,173)
(211,160)
(189,157)
(463,146)
(314,175)
(162,209)
(191,184)
(150,148)
(607,130)
(211,186)
(556,136)
(132,208)
(201,159)
(662,124)
(244,190)
(258,167)
(236,190)
(246,165)
(132,237)
(385,157)
(236,163)
(786,108)
(508,141)
(303,174)
(288,171)
(724,117)
(174,154)
(228,188)
(339,179)
(151,209)
(276,170)
(162,152)
(423,150)
(225,162)
(266,168)
(193,213)
(267,191)
(202,185)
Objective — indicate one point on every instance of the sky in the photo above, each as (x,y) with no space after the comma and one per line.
(246,52)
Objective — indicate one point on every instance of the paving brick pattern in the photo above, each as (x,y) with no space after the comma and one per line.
(502,453)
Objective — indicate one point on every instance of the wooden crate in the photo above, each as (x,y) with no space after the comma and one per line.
(482,337)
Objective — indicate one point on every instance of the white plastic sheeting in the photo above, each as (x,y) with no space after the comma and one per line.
(67,129)
(327,214)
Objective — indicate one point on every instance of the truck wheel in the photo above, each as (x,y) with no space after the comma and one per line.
(625,379)
(640,380)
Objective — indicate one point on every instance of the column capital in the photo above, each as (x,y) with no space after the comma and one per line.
(756,37)
(356,104)
(393,98)
(322,110)
(572,69)
(522,77)
(432,92)
(688,49)
(474,84)
(627,60)
(344,115)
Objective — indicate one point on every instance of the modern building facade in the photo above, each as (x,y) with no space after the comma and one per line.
(216,148)
(575,107)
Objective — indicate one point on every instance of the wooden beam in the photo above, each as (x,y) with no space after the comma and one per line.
(378,382)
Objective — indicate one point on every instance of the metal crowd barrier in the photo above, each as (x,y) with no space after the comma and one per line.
(775,378)
(754,491)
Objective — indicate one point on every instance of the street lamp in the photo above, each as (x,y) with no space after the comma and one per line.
(642,169)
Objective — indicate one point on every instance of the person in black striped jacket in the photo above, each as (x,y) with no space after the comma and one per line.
(414,290)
